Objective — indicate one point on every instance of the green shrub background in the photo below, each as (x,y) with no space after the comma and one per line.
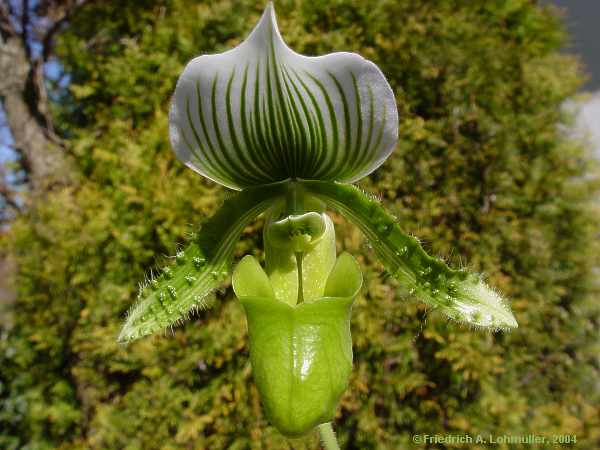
(483,173)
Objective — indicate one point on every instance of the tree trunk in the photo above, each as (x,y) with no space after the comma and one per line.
(23,96)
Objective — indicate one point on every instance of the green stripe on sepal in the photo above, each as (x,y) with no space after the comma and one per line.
(261,112)
(167,299)
(462,296)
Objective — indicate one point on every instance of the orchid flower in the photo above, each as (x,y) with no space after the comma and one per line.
(291,133)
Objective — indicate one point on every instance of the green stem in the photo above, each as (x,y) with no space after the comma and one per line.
(294,199)
(328,437)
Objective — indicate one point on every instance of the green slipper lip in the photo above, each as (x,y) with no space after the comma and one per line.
(301,359)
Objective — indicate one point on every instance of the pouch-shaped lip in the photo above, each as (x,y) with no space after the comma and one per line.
(301,359)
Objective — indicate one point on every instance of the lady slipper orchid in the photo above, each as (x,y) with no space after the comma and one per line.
(290,132)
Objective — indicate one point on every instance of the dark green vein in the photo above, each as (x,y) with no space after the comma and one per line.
(231,166)
(213,156)
(256,173)
(344,161)
(304,151)
(359,127)
(365,151)
(259,120)
(325,169)
(322,144)
(203,158)
(255,149)
(373,151)
(273,126)
(288,136)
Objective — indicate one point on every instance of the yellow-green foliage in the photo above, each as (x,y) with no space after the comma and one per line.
(482,170)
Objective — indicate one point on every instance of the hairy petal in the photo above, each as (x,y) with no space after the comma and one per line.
(200,268)
(261,113)
(458,294)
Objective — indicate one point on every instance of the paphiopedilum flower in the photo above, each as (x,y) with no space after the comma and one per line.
(291,132)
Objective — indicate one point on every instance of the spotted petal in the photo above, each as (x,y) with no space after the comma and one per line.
(461,296)
(262,113)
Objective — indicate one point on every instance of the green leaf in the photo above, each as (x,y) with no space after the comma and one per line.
(261,113)
(200,268)
(458,294)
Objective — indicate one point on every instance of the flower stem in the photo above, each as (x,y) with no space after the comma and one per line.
(328,437)
(294,199)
